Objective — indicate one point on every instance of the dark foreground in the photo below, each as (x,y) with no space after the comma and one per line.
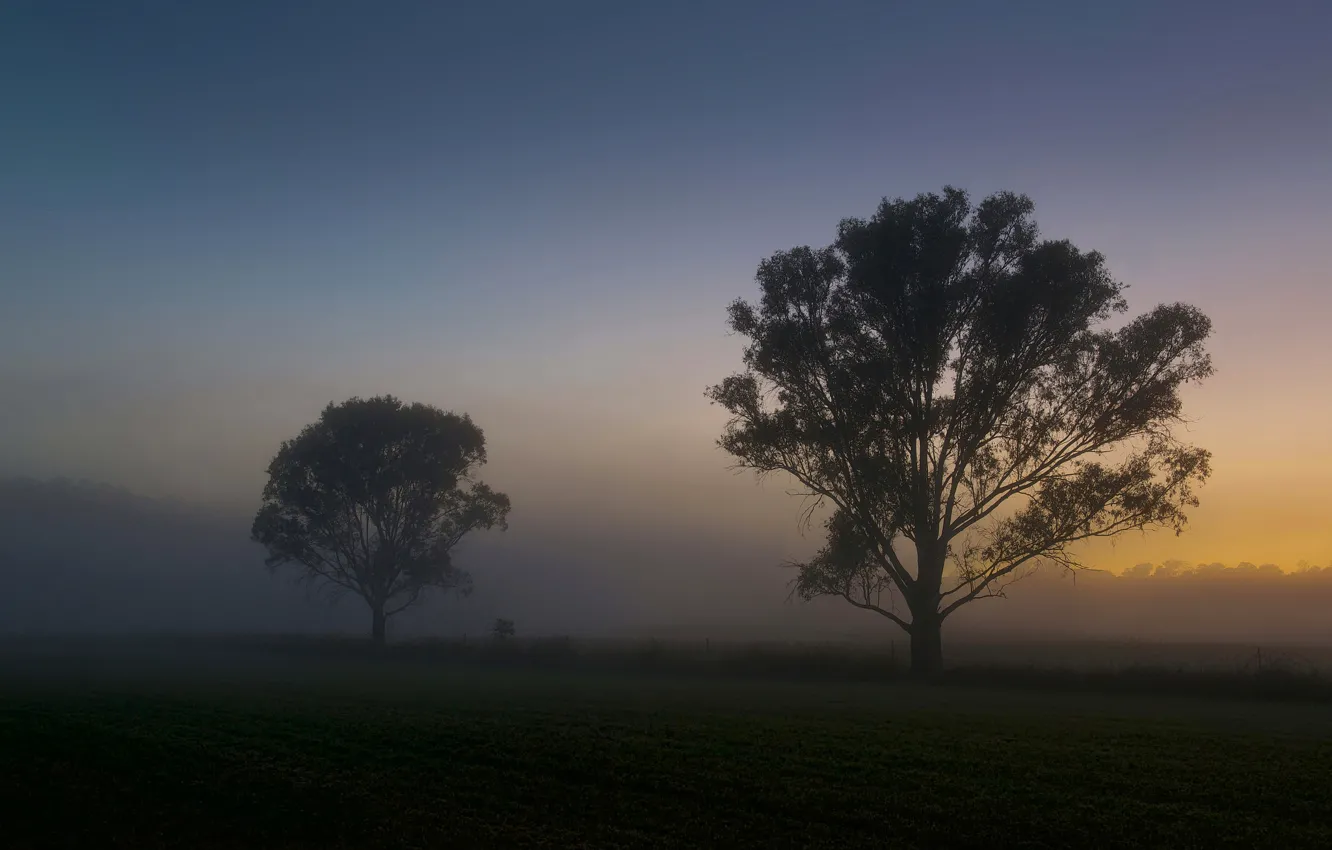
(363,756)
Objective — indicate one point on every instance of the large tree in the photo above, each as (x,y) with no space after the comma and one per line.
(953,387)
(373,497)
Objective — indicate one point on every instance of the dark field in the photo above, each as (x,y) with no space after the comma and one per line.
(390,753)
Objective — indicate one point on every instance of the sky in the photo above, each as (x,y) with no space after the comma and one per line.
(217,217)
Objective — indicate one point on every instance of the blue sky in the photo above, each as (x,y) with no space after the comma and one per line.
(218,216)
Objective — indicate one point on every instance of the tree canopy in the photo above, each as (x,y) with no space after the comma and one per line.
(958,390)
(373,498)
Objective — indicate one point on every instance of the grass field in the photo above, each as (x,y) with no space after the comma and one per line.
(383,754)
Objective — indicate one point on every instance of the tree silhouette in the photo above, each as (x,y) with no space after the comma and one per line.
(940,376)
(373,497)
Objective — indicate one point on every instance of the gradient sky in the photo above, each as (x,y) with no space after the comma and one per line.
(216,217)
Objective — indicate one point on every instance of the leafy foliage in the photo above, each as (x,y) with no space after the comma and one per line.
(948,382)
(374,496)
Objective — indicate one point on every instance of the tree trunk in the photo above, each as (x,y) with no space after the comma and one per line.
(926,645)
(377,624)
(926,624)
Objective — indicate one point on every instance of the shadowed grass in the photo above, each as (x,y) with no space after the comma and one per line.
(364,755)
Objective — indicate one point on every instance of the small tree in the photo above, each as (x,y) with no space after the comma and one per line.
(373,497)
(502,630)
(938,376)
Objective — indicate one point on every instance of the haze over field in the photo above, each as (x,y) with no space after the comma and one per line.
(84,558)
(538,216)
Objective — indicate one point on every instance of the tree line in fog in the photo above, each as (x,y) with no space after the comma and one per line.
(1178,569)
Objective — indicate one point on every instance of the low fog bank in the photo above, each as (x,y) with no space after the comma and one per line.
(78,558)
(1210,602)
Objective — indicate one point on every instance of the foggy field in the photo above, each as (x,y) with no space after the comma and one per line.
(360,752)
(1300,673)
(691,425)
